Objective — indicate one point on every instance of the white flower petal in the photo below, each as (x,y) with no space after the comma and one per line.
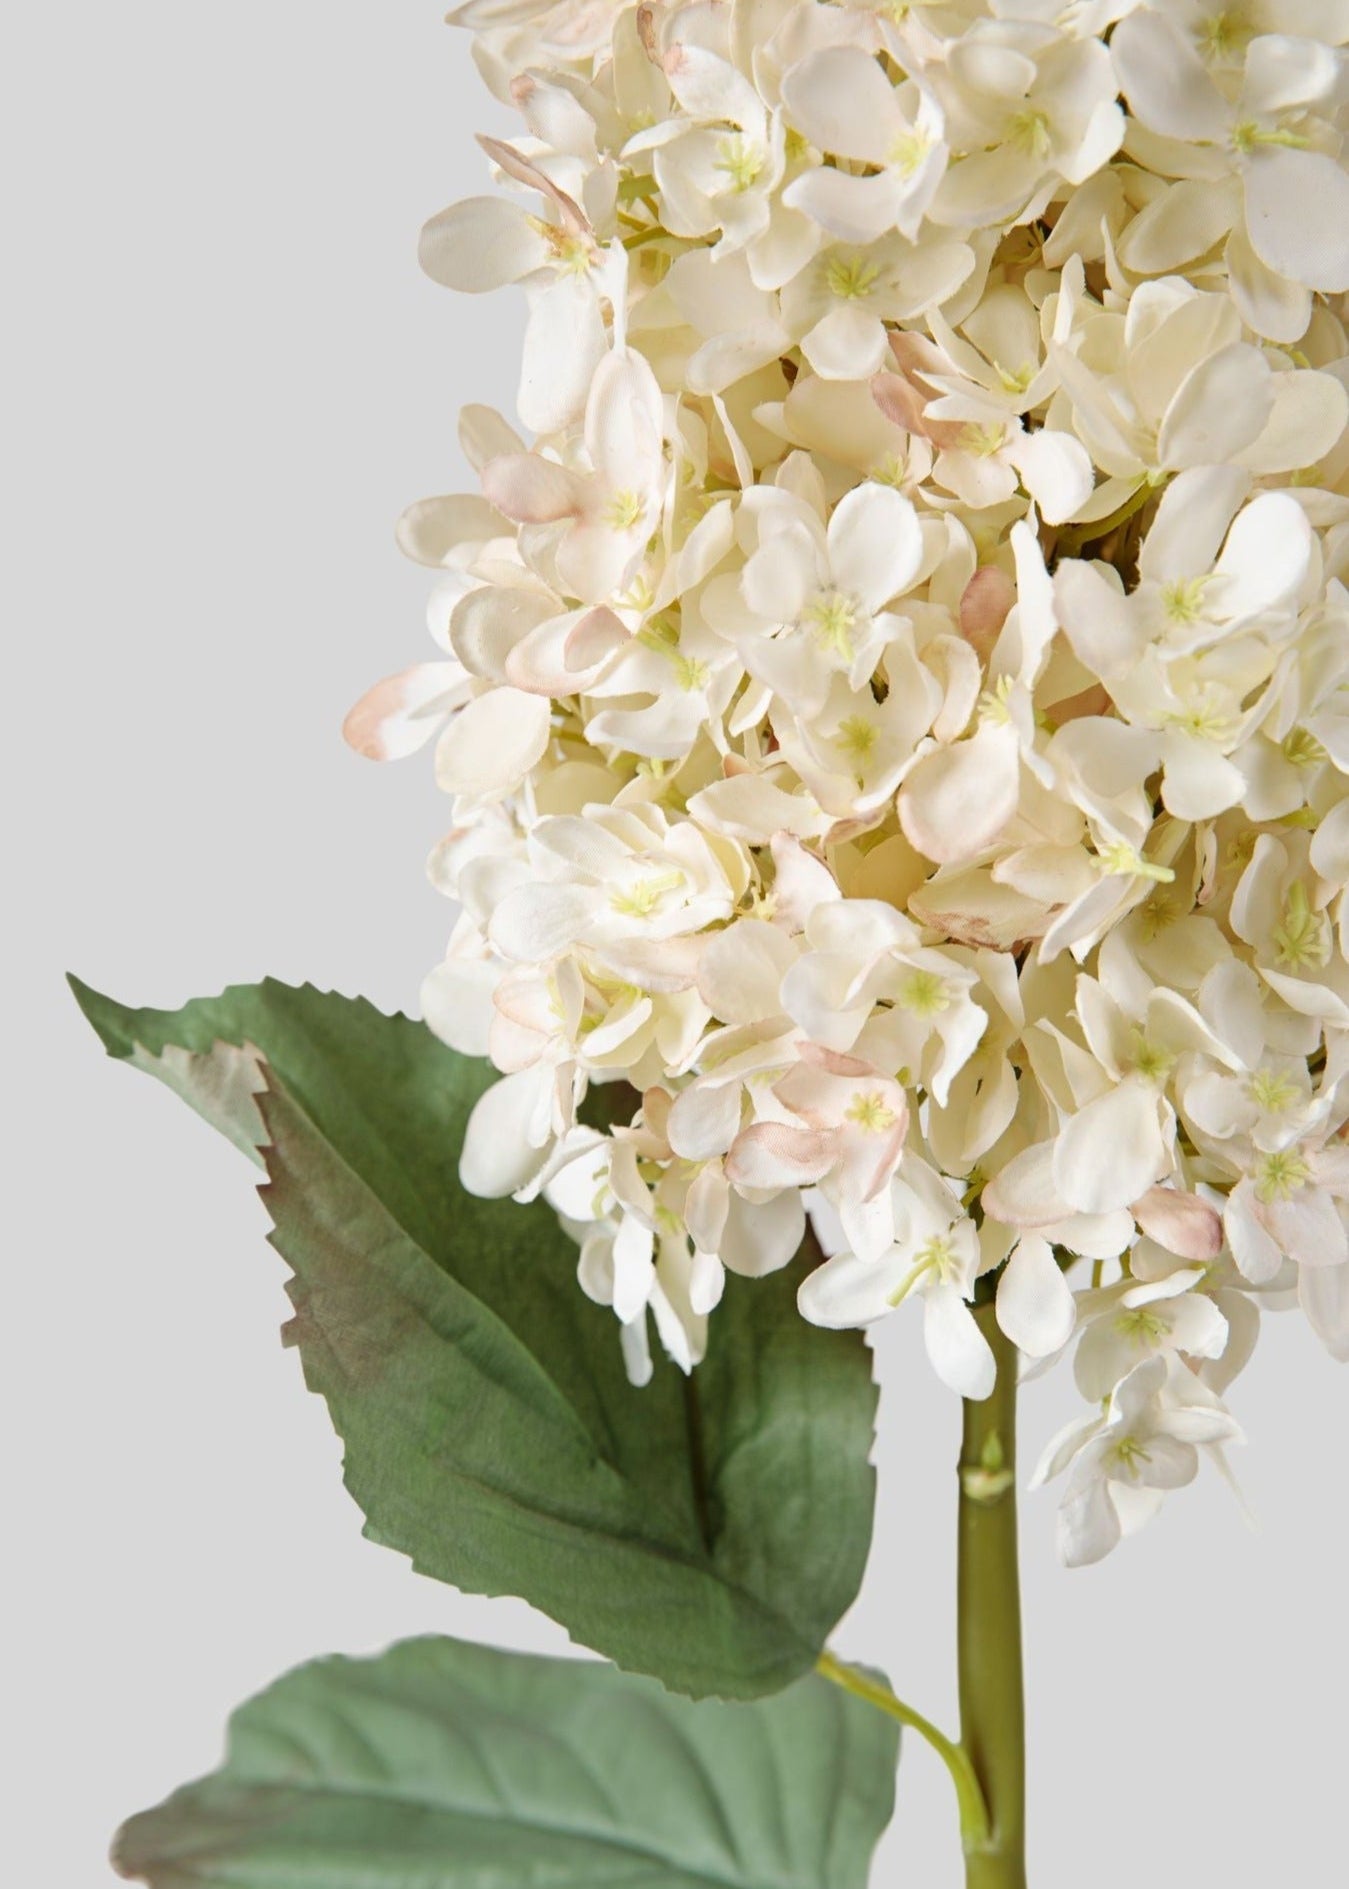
(841,100)
(957,800)
(498,1157)
(741,970)
(457,1002)
(1219,408)
(960,1354)
(1035,1303)
(1088,1524)
(771,1155)
(875,543)
(845,1292)
(1111,1151)
(493,742)
(1182,1223)
(1323,1293)
(762,1237)
(401,713)
(1165,81)
(1297,214)
(1056,470)
(481,244)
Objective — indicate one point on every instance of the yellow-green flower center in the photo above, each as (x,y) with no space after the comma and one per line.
(624,510)
(850,278)
(923,994)
(1302,936)
(1028,130)
(640,899)
(871,1113)
(1280,1175)
(833,616)
(741,161)
(1272,1090)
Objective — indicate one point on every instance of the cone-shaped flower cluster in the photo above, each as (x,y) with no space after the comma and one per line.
(895,698)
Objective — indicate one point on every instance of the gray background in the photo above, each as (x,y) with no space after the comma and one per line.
(228,378)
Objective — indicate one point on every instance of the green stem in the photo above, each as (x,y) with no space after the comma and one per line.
(974,1830)
(992,1709)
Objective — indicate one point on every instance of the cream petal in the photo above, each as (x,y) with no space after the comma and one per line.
(705,1120)
(1277,309)
(1256,1253)
(493,742)
(564,344)
(1220,407)
(1198,782)
(875,543)
(1102,628)
(846,1292)
(1025,1194)
(1306,424)
(782,573)
(957,800)
(634,1267)
(762,1237)
(457,1002)
(1323,1293)
(841,100)
(433,529)
(1191,522)
(401,713)
(1112,1150)
(1088,1524)
(1056,470)
(846,344)
(741,970)
(533,490)
(853,209)
(1035,1304)
(1266,557)
(1285,70)
(1182,1223)
(537,922)
(1297,216)
(1165,81)
(480,244)
(957,1349)
(771,1155)
(498,1157)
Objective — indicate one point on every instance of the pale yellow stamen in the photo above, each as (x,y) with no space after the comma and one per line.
(1302,749)
(1248,136)
(908,152)
(923,994)
(1028,130)
(624,510)
(833,616)
(938,1256)
(740,160)
(857,737)
(1280,1175)
(850,278)
(1126,861)
(1141,1326)
(1302,936)
(641,898)
(1272,1091)
(872,1113)
(1183,599)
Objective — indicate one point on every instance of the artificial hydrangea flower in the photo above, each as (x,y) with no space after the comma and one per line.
(894,698)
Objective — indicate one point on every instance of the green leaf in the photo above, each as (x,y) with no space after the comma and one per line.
(709,1531)
(446,1766)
